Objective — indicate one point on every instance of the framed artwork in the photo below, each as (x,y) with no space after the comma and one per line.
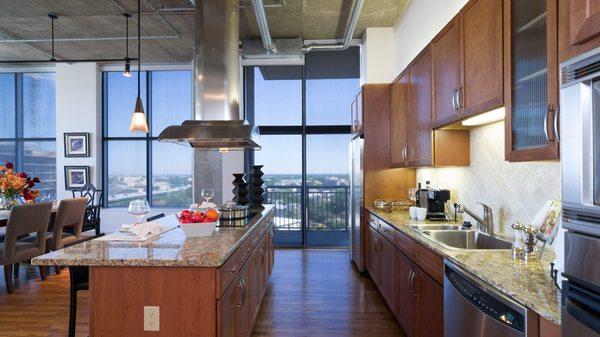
(77,144)
(76,176)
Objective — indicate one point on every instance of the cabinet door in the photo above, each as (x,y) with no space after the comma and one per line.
(243,307)
(373,260)
(406,307)
(446,74)
(419,112)
(431,305)
(227,306)
(399,106)
(260,274)
(388,274)
(531,88)
(584,20)
(481,56)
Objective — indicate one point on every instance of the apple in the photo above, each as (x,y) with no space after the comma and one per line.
(197,217)
(185,213)
(185,220)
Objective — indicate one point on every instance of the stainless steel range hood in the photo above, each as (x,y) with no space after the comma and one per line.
(218,124)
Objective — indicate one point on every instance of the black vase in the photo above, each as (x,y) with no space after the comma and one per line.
(240,191)
(256,189)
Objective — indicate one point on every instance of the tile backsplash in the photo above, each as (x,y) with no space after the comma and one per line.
(515,191)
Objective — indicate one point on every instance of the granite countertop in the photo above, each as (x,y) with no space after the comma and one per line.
(528,283)
(170,249)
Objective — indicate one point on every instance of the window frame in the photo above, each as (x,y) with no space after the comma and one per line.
(147,138)
(303,130)
(19,139)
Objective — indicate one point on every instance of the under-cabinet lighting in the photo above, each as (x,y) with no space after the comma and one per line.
(485,118)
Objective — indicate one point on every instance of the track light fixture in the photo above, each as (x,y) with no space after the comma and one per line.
(127,72)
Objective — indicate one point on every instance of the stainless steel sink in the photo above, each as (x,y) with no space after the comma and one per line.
(436,227)
(466,239)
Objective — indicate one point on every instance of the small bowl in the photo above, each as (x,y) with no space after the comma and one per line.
(195,230)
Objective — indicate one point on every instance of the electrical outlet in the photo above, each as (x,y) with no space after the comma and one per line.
(151,318)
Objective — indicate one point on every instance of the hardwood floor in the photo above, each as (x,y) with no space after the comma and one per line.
(319,293)
(311,293)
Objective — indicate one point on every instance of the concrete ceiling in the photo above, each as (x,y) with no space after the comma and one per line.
(307,19)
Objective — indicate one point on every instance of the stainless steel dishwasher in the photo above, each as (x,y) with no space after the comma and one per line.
(474,309)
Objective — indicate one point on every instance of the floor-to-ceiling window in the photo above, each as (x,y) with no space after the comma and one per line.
(28,127)
(137,166)
(303,113)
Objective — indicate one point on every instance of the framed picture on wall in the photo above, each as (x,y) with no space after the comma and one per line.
(77,144)
(76,176)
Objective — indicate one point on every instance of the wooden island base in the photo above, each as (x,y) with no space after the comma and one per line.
(193,301)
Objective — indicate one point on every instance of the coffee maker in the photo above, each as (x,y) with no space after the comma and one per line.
(435,202)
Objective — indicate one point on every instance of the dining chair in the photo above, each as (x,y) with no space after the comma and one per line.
(92,213)
(24,219)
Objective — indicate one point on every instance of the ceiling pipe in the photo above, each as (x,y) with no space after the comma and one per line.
(279,4)
(78,39)
(356,9)
(263,26)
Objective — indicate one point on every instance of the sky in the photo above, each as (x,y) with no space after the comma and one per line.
(277,102)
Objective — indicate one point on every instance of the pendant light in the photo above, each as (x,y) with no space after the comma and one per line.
(138,117)
(127,71)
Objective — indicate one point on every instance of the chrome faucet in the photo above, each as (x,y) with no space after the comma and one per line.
(486,224)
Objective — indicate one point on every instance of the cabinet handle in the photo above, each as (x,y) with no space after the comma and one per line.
(556,112)
(242,285)
(412,281)
(262,257)
(454,94)
(231,270)
(546,123)
(458,94)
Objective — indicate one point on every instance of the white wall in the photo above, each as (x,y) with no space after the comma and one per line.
(419,23)
(377,55)
(78,109)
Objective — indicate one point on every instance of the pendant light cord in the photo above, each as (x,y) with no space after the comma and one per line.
(139,46)
(52,20)
(126,36)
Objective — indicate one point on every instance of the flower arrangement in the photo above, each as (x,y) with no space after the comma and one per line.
(14,184)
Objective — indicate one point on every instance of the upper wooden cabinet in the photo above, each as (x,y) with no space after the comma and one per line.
(446,70)
(419,152)
(399,112)
(481,57)
(531,80)
(579,27)
(467,63)
(413,142)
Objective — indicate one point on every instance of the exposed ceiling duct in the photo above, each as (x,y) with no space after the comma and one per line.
(217,124)
(263,26)
(354,15)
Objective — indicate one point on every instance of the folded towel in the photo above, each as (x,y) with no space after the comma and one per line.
(146,228)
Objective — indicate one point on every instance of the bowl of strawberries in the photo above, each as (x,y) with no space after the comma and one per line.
(197,224)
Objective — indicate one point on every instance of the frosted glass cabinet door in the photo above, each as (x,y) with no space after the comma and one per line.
(531,80)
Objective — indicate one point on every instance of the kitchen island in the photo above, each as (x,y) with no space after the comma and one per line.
(209,286)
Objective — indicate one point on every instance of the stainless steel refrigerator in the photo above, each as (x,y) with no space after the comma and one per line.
(357,230)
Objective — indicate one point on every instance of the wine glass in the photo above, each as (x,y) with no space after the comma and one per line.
(139,208)
(207,193)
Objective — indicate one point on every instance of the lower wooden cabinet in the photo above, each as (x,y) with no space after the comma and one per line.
(373,259)
(406,301)
(235,307)
(430,296)
(388,273)
(413,295)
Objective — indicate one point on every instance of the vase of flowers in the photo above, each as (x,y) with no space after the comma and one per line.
(16,187)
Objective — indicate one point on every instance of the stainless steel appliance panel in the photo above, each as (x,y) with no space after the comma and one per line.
(357,252)
(473,309)
(582,257)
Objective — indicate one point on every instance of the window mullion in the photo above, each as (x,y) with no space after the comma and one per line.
(19,147)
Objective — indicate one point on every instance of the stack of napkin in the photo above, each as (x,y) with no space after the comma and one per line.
(146,228)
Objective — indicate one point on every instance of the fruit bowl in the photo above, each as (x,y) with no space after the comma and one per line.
(197,224)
